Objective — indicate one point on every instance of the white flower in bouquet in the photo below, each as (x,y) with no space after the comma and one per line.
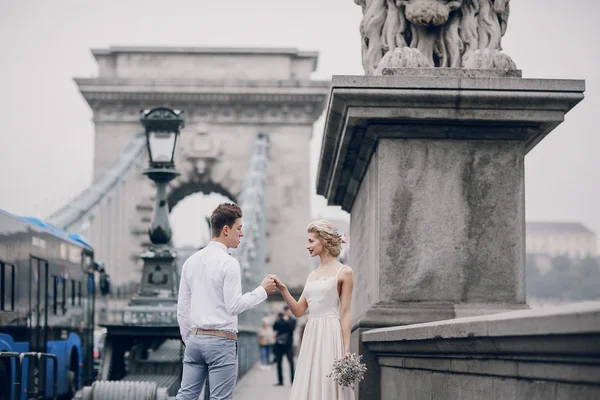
(348,370)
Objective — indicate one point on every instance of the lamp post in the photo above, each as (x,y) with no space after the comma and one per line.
(162,127)
(155,303)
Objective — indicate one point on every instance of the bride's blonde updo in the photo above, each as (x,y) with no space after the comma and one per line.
(329,235)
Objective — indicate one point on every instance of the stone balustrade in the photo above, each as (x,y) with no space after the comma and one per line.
(534,354)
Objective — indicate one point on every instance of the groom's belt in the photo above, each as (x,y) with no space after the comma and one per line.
(212,332)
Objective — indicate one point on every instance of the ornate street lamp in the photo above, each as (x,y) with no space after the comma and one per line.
(156,301)
(162,126)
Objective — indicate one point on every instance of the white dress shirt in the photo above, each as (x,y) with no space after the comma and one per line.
(210,291)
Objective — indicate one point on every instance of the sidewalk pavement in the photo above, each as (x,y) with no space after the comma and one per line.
(259,385)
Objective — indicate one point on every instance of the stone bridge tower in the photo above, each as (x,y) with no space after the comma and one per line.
(228,95)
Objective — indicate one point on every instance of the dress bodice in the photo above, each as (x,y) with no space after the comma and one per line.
(322,297)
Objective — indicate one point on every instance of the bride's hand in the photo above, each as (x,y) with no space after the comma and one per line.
(278,283)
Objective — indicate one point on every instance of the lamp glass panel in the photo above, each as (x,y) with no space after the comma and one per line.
(161,146)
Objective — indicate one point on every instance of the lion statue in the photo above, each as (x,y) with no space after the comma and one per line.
(433,33)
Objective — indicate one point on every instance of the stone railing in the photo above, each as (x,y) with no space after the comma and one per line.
(544,354)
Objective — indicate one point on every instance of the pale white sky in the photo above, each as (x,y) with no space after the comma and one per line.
(46,134)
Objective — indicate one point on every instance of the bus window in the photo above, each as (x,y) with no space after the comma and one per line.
(59,296)
(79,293)
(7,287)
(71,291)
(12,288)
(55,295)
(64,295)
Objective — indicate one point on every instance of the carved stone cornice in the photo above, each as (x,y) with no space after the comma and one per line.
(190,85)
(280,114)
(281,102)
(364,109)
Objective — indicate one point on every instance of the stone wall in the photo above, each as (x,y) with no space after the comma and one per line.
(533,354)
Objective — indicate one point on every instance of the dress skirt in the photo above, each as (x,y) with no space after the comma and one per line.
(321,344)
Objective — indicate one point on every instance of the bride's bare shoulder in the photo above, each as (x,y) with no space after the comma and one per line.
(346,271)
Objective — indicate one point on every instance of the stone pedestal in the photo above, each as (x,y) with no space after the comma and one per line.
(430,163)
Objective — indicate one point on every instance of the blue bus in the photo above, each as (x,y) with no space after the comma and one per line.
(46,306)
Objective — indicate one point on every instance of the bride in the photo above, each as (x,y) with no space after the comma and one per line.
(327,295)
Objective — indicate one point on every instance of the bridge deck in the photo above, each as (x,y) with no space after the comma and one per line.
(259,385)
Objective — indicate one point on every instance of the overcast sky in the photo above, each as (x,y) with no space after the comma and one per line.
(46,134)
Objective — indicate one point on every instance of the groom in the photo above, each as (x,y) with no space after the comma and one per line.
(210,298)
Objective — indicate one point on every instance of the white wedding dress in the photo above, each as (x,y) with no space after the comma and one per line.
(321,344)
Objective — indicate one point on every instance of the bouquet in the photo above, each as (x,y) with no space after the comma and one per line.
(348,370)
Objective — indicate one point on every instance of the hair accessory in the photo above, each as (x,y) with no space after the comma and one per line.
(337,233)
(345,237)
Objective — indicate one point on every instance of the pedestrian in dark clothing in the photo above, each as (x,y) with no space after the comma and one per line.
(284,343)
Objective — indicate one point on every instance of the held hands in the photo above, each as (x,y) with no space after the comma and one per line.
(269,284)
(280,285)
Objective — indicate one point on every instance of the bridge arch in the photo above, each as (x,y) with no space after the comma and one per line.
(189,188)
(190,214)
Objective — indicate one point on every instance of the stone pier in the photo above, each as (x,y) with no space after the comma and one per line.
(430,164)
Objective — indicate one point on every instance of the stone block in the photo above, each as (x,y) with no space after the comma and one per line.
(504,389)
(571,372)
(405,385)
(535,390)
(579,392)
(460,387)
(451,217)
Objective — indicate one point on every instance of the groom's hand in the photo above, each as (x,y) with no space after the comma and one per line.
(269,284)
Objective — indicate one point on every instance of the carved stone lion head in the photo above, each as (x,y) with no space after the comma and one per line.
(439,33)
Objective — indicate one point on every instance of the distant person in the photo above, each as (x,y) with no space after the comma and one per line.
(266,339)
(210,299)
(284,343)
(327,294)
(105,291)
(104,283)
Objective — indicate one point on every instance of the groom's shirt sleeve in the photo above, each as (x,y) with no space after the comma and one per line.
(235,302)
(184,305)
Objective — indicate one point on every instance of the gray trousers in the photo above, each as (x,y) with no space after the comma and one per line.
(211,356)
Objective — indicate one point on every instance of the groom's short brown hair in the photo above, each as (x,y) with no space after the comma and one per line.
(224,214)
